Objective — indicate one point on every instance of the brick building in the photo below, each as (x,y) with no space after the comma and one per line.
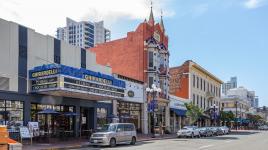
(195,84)
(143,56)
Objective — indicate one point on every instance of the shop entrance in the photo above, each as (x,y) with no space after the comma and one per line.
(86,120)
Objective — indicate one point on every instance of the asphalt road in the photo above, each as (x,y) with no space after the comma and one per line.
(249,140)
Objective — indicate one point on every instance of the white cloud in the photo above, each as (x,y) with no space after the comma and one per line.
(252,4)
(46,15)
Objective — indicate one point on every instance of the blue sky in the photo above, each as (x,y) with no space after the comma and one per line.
(227,37)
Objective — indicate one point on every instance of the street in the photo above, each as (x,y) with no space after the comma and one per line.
(245,140)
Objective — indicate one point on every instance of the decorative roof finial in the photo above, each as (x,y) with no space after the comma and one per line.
(162,22)
(151,18)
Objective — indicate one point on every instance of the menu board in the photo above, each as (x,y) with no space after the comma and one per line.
(34,128)
(25,133)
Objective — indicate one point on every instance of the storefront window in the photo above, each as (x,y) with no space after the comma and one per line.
(11,113)
(48,122)
(130,113)
(101,117)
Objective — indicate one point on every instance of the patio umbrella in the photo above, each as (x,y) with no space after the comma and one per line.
(70,114)
(49,111)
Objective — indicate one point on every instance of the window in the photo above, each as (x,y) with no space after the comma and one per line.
(151,59)
(197,100)
(193,80)
(11,112)
(208,87)
(101,117)
(204,85)
(120,128)
(201,83)
(204,103)
(197,84)
(194,99)
(201,101)
(129,127)
(151,81)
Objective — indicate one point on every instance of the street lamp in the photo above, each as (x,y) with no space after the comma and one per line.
(153,91)
(236,115)
(214,114)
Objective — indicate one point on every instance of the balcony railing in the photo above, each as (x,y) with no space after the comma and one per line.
(209,95)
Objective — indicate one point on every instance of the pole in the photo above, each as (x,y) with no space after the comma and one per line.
(153,136)
(214,122)
(236,115)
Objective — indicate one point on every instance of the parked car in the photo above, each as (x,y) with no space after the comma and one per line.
(216,131)
(205,131)
(225,129)
(114,133)
(264,127)
(188,131)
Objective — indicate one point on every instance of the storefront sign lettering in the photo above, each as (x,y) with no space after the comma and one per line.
(44,86)
(44,81)
(44,73)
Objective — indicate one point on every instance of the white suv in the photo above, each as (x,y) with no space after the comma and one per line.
(115,133)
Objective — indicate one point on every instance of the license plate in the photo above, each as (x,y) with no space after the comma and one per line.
(95,141)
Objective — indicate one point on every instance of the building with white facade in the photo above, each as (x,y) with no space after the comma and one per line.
(245,94)
(240,107)
(39,72)
(85,34)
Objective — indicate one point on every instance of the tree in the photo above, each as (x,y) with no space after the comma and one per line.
(193,112)
(227,116)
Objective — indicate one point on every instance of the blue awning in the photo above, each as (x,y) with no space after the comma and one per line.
(179,112)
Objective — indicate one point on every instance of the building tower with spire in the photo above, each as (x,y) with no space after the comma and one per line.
(142,56)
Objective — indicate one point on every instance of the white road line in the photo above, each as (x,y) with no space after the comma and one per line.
(228,141)
(206,146)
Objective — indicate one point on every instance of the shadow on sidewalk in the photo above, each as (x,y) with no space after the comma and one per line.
(244,132)
(120,145)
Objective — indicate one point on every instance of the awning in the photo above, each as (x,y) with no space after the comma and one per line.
(179,112)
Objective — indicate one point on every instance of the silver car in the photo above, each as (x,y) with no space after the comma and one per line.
(189,131)
(115,133)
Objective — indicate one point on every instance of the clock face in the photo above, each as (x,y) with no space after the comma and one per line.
(157,36)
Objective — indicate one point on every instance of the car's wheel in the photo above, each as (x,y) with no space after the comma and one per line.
(133,140)
(112,142)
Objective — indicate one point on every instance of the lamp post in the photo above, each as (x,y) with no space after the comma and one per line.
(153,92)
(214,114)
(236,115)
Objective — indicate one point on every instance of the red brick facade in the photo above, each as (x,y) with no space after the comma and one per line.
(128,56)
(179,81)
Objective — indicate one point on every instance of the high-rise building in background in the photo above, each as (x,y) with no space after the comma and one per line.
(256,102)
(229,85)
(85,34)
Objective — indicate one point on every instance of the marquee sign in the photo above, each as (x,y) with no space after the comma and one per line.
(60,77)
(54,69)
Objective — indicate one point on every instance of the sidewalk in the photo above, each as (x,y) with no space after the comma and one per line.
(79,143)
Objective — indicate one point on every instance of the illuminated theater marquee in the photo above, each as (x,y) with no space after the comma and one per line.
(60,77)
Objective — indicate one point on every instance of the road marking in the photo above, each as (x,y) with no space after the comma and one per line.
(206,146)
(228,141)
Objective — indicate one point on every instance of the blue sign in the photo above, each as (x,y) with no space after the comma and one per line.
(54,69)
(152,105)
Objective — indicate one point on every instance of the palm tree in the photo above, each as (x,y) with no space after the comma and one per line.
(193,112)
